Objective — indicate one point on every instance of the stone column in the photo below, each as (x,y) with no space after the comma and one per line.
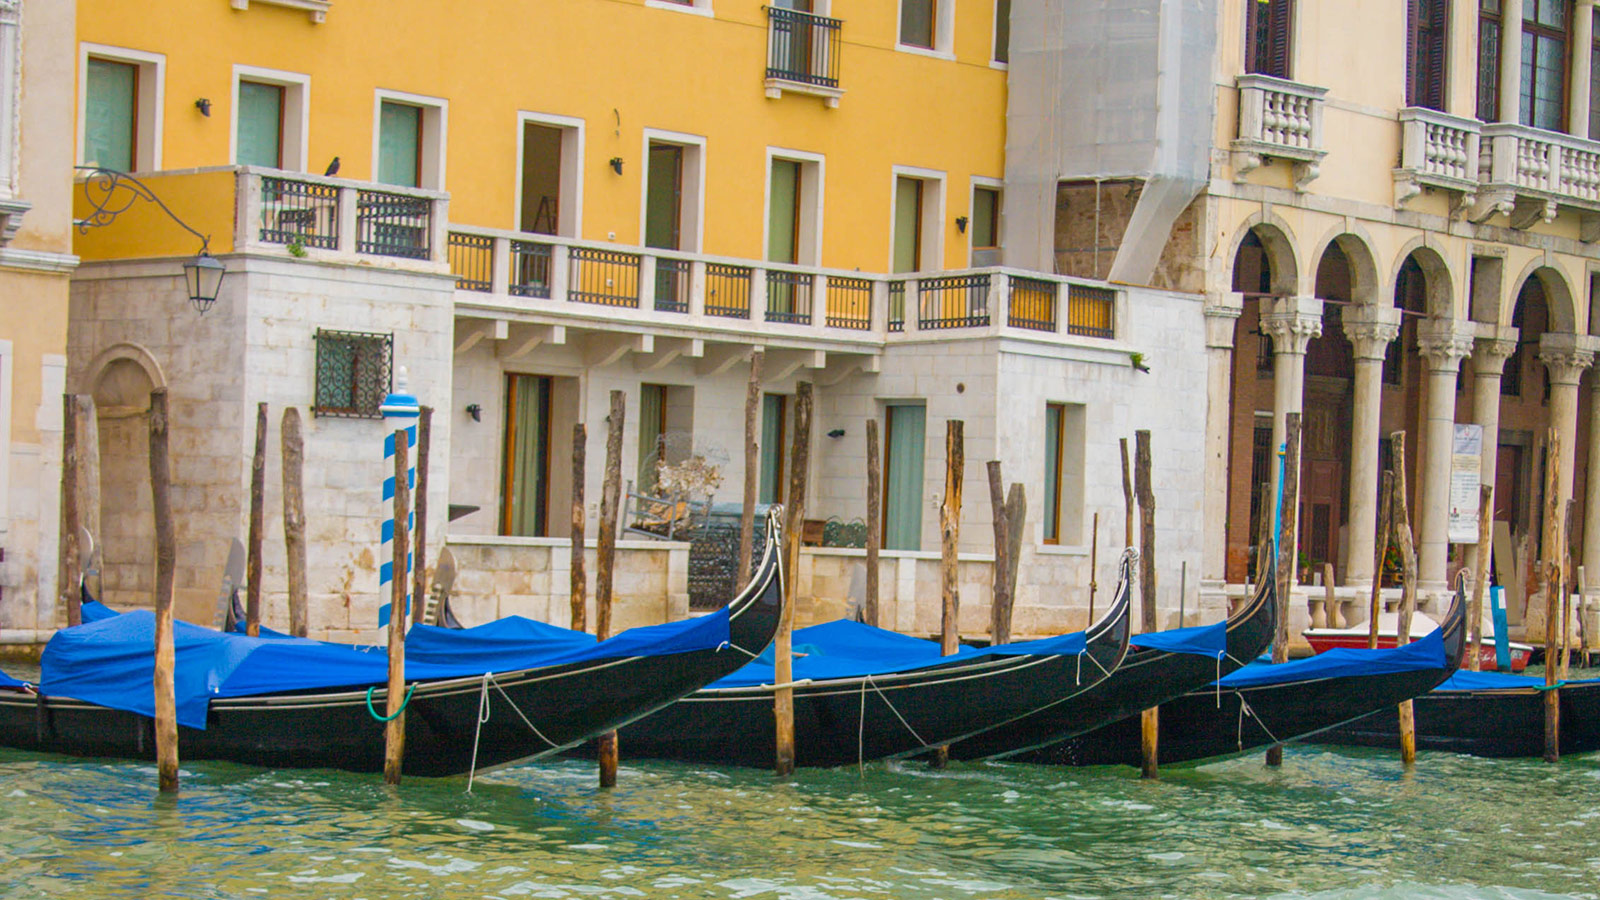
(1510,59)
(1291,322)
(1222,314)
(1443,343)
(1370,329)
(1489,356)
(1565,357)
(1591,500)
(1578,96)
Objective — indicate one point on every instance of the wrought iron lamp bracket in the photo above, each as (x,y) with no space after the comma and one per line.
(111,193)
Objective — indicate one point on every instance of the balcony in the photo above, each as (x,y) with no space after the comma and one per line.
(559,287)
(1437,151)
(1529,174)
(1279,119)
(803,55)
(339,217)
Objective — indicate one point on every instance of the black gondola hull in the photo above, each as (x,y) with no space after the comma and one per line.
(1501,724)
(1146,678)
(861,719)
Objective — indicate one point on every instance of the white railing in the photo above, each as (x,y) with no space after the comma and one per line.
(498,270)
(1436,150)
(1279,118)
(1556,168)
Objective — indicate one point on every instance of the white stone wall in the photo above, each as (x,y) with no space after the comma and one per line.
(532,578)
(258,345)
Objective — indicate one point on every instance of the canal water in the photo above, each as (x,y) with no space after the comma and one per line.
(1329,824)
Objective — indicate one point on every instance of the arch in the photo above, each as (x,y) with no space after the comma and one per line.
(1558,297)
(1357,249)
(1439,281)
(1278,243)
(121,378)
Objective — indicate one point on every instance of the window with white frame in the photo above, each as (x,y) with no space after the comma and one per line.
(549,174)
(983,227)
(673,192)
(271,114)
(698,7)
(1063,473)
(1002,32)
(119,108)
(794,207)
(408,139)
(917,226)
(927,26)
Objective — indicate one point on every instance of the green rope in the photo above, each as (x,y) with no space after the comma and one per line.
(403,704)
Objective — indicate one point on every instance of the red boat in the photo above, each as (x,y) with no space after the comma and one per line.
(1322,639)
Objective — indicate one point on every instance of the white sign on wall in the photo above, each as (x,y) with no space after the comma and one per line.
(1466,460)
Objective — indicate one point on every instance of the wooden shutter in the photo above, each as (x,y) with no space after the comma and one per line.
(1280,36)
(1427,50)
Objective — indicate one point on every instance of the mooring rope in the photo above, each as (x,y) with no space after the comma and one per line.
(861,733)
(518,710)
(896,712)
(1244,706)
(736,647)
(483,716)
(403,703)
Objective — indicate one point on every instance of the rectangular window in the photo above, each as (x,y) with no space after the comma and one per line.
(1269,33)
(652,434)
(663,206)
(352,373)
(1052,472)
(111,115)
(1544,64)
(1427,50)
(783,212)
(918,20)
(774,439)
(907,224)
(902,476)
(400,144)
(1002,30)
(260,136)
(985,218)
(1594,82)
(1063,472)
(541,178)
(1489,60)
(524,500)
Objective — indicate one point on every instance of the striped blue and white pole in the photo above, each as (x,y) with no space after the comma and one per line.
(400,410)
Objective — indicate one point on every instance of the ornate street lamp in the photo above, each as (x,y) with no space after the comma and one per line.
(110,193)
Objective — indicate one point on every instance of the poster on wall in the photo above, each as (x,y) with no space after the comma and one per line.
(1466,460)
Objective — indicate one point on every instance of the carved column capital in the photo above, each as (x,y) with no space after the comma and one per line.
(1565,356)
(1444,343)
(1222,314)
(1371,329)
(1489,354)
(1292,322)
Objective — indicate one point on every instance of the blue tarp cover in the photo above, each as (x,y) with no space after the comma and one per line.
(6,681)
(112,662)
(94,611)
(1201,640)
(1425,653)
(1465,680)
(846,649)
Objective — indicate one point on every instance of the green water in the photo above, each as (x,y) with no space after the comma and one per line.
(1327,825)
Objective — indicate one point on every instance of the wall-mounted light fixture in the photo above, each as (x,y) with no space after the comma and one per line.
(475,411)
(204,106)
(961,224)
(110,193)
(836,433)
(616,164)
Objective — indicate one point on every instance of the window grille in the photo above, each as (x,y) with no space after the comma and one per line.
(352,373)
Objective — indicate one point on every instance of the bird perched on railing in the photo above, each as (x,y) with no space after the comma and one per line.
(333,168)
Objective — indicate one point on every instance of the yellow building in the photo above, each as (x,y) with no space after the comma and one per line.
(36,259)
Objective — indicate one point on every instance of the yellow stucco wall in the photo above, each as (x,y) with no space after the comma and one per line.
(621,67)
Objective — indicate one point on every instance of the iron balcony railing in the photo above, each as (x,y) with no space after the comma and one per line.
(606,277)
(1091,311)
(330,217)
(789,296)
(727,291)
(390,224)
(472,261)
(300,213)
(953,301)
(802,48)
(849,303)
(1033,304)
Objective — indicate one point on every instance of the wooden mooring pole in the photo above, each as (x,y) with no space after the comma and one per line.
(794,522)
(419,504)
(166,702)
(1149,720)
(605,559)
(874,522)
(1553,554)
(1385,520)
(1287,555)
(293,450)
(257,533)
(1480,578)
(1127,496)
(394,730)
(68,565)
(1566,593)
(1000,592)
(955,463)
(579,584)
(1408,587)
(752,472)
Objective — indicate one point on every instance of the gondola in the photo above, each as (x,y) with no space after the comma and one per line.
(1149,676)
(883,711)
(453,724)
(1264,704)
(1484,714)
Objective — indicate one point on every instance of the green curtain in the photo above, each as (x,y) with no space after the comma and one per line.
(108,133)
(260,140)
(907,212)
(663,189)
(772,410)
(399,142)
(527,448)
(903,480)
(916,22)
(1052,471)
(652,401)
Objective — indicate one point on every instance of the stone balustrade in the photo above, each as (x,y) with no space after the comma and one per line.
(1279,119)
(1437,150)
